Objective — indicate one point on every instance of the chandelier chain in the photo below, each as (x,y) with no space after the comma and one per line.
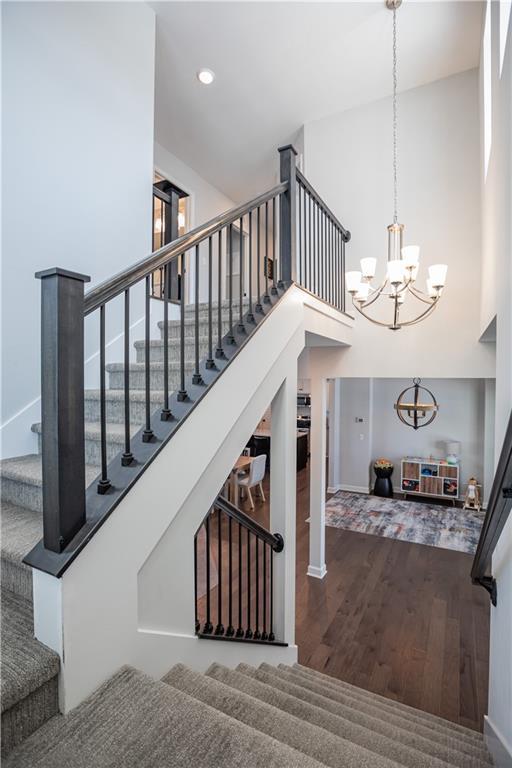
(395,131)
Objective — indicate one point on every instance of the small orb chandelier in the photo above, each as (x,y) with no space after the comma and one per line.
(403,262)
(412,413)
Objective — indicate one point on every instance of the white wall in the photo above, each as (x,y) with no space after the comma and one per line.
(78,106)
(355,452)
(461,417)
(205,200)
(496,300)
(348,158)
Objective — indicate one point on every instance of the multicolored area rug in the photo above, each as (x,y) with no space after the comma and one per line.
(447,527)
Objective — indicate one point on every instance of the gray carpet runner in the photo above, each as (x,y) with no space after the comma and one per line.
(243,717)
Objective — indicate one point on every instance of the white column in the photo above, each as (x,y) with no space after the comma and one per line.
(283,489)
(489,421)
(317,478)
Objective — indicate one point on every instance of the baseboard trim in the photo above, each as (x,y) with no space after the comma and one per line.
(317,573)
(501,755)
(354,488)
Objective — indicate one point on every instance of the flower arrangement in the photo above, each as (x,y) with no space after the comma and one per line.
(383,464)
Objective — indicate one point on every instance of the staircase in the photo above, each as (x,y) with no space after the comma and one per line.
(282,717)
(54,502)
(29,670)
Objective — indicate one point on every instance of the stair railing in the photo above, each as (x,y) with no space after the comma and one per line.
(320,246)
(498,510)
(267,229)
(234,576)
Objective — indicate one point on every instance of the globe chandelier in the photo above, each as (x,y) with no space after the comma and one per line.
(399,284)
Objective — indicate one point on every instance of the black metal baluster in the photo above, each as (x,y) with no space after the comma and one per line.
(182,393)
(230,631)
(250,314)
(264,634)
(266,298)
(259,307)
(310,238)
(219,629)
(208,627)
(326,254)
(166,414)
(230,337)
(331,262)
(315,249)
(271,635)
(317,288)
(248,631)
(342,274)
(257,633)
(322,254)
(300,234)
(325,257)
(127,457)
(210,361)
(274,249)
(240,630)
(219,352)
(241,326)
(147,435)
(196,378)
(197,625)
(337,257)
(104,482)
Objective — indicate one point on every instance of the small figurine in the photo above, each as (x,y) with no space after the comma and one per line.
(472,499)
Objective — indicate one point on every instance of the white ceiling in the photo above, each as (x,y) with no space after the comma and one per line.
(281,64)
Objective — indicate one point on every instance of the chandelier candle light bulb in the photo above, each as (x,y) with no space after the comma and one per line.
(369,267)
(437,275)
(353,281)
(396,271)
(403,261)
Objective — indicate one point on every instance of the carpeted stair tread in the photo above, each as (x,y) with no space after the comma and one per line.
(28,469)
(449,753)
(414,717)
(133,721)
(141,367)
(92,430)
(117,395)
(21,530)
(379,711)
(439,721)
(303,736)
(361,733)
(26,663)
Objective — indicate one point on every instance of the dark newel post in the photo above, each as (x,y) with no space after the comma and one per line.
(62,405)
(288,212)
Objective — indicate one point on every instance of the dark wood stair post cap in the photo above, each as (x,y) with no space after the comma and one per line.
(60,272)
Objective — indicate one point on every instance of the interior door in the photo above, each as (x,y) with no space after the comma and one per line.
(169,222)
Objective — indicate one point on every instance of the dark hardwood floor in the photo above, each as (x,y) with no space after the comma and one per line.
(400,619)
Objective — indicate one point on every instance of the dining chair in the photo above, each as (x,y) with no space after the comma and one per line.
(254,477)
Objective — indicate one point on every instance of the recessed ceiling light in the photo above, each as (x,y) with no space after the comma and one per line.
(206,76)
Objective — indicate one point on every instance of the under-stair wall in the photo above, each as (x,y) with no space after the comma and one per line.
(128,597)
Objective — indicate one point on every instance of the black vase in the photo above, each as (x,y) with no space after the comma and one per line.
(383,486)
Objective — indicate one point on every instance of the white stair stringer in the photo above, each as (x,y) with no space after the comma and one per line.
(128,598)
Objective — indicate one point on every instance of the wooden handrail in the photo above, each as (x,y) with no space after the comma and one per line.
(498,510)
(116,285)
(274,540)
(314,194)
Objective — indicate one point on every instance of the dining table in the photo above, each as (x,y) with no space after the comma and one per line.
(242,464)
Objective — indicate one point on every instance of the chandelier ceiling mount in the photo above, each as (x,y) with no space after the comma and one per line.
(399,284)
